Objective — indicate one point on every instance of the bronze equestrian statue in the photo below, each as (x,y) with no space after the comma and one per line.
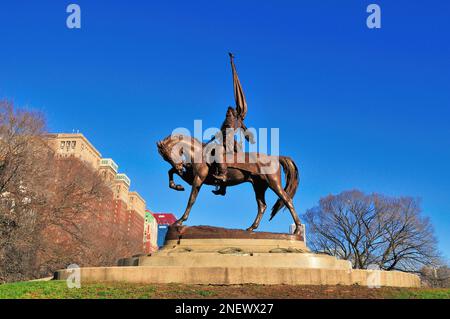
(252,171)
(262,171)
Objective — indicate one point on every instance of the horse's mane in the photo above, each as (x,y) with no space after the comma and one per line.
(166,145)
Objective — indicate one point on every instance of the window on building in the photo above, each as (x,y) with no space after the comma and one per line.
(62,144)
(74,143)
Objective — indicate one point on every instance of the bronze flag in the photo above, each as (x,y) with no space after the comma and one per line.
(239,97)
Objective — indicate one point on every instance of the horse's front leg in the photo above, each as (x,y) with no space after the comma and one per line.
(196,185)
(172,183)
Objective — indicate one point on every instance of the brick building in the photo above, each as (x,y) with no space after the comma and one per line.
(129,206)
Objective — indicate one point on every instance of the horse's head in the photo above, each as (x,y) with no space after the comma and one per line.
(174,149)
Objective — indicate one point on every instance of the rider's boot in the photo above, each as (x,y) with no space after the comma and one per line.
(222,190)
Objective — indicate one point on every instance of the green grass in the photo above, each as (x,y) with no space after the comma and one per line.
(59,290)
(422,294)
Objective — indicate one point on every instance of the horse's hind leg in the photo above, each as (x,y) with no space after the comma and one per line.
(287,200)
(260,188)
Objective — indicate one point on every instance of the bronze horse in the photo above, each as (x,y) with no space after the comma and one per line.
(198,173)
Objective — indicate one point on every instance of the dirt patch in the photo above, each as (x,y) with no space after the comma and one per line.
(274,292)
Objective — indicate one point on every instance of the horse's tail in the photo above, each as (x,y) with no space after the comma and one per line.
(292,177)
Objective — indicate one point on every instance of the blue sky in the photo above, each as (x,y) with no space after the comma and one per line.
(356,108)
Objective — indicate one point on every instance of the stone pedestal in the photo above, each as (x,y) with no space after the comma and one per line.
(211,255)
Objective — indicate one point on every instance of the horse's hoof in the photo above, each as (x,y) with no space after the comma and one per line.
(176,187)
(179,188)
(250,229)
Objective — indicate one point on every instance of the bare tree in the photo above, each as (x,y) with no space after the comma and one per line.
(373,230)
(436,277)
(24,160)
(53,212)
(70,222)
